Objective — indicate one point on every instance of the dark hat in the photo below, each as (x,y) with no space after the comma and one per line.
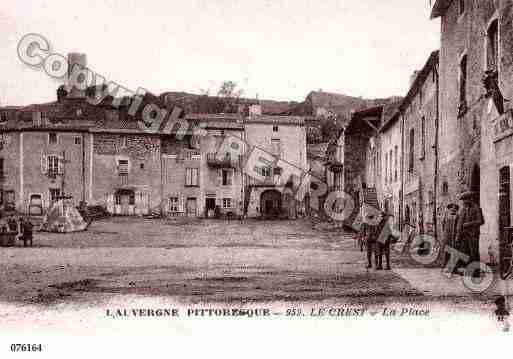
(468,195)
(500,301)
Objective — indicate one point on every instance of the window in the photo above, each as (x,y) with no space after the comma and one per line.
(53,165)
(124,142)
(445,188)
(174,204)
(3,117)
(55,193)
(9,200)
(78,140)
(386,169)
(1,168)
(275,128)
(141,166)
(463,81)
(276,146)
(493,46)
(412,150)
(396,162)
(391,168)
(52,138)
(423,145)
(123,167)
(191,177)
(461,7)
(265,171)
(227,203)
(226,177)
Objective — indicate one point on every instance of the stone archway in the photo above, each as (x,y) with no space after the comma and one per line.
(271,203)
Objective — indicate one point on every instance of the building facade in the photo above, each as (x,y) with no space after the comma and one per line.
(98,155)
(476,65)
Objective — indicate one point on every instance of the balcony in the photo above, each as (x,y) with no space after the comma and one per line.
(227,162)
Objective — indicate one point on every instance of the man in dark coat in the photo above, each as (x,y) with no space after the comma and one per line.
(470,221)
(449,228)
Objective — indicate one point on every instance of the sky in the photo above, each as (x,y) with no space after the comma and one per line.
(275,49)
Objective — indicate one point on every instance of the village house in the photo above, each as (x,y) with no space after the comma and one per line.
(284,137)
(419,115)
(389,158)
(476,67)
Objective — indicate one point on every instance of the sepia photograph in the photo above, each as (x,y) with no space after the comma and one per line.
(233,169)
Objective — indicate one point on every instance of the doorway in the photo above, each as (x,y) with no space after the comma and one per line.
(191,207)
(271,203)
(125,202)
(210,206)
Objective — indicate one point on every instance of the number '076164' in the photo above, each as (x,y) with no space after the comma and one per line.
(26,347)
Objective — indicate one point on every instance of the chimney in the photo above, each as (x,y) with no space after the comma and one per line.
(74,59)
(36,118)
(255,110)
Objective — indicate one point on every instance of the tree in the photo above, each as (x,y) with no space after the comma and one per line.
(229,95)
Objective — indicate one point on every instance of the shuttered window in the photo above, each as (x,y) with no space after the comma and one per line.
(191,177)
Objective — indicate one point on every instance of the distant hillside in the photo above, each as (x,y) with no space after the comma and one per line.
(327,112)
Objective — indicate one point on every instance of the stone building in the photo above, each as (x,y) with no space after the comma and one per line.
(389,158)
(284,137)
(419,115)
(476,67)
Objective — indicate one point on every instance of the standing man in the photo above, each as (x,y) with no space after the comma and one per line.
(449,228)
(471,219)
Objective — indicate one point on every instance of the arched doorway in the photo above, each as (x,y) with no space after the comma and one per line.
(270,203)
